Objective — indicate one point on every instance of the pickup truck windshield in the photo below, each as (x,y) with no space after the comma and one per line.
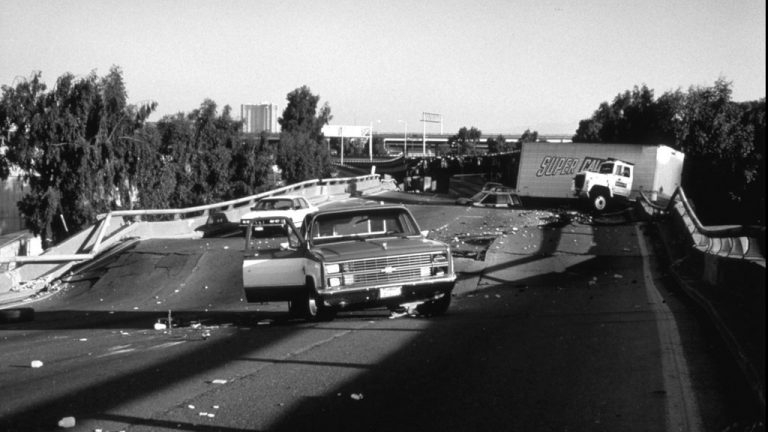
(346,226)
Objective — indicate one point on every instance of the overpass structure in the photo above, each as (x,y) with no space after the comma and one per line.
(717,266)
(415,145)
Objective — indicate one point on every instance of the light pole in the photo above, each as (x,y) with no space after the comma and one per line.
(370,141)
(405,137)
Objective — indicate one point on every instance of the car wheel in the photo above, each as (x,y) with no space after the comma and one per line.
(435,307)
(16,315)
(599,201)
(309,307)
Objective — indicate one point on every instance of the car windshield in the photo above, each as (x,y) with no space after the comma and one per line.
(361,225)
(492,186)
(269,233)
(273,204)
(217,218)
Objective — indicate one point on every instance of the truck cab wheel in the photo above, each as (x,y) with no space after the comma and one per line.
(599,201)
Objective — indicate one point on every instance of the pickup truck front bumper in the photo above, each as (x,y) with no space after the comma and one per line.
(391,295)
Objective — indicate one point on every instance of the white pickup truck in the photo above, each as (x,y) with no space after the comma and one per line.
(350,258)
(612,181)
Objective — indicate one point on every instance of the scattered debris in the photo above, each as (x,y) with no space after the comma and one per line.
(356,396)
(406,309)
(67,422)
(218,381)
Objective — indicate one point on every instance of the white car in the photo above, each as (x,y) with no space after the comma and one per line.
(295,207)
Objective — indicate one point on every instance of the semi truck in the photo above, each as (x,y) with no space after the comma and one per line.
(547,170)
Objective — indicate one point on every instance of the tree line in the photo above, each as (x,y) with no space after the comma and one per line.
(83,150)
(723,142)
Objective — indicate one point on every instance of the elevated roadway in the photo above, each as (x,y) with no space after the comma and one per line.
(562,326)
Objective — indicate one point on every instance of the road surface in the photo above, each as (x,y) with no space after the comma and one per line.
(570,327)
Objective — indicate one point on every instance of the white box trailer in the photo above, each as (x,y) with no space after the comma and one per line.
(547,169)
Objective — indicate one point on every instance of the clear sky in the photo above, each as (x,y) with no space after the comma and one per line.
(502,66)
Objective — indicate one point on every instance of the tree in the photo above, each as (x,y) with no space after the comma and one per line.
(302,154)
(720,150)
(465,141)
(498,144)
(197,151)
(528,136)
(67,142)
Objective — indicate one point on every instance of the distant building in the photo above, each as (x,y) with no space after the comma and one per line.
(260,118)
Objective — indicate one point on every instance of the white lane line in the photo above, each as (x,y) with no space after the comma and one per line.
(682,409)
(166,345)
(116,352)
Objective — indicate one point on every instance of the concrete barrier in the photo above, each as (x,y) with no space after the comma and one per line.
(723,270)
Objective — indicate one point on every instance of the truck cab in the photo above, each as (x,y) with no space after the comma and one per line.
(612,181)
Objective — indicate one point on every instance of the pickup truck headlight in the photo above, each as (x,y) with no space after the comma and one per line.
(334,282)
(439,259)
(332,268)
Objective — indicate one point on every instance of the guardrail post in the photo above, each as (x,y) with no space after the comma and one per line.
(102,232)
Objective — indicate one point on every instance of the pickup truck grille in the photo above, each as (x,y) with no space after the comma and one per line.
(382,278)
(389,270)
(381,263)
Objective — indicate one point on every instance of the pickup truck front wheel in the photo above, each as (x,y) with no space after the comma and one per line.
(310,307)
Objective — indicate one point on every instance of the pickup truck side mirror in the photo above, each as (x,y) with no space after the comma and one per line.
(424,233)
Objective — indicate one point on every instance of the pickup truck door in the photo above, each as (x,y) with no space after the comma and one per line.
(277,272)
(278,268)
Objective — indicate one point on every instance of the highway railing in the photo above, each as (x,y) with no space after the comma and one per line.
(116,225)
(734,241)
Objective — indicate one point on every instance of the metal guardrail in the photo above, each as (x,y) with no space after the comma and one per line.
(178,214)
(734,241)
